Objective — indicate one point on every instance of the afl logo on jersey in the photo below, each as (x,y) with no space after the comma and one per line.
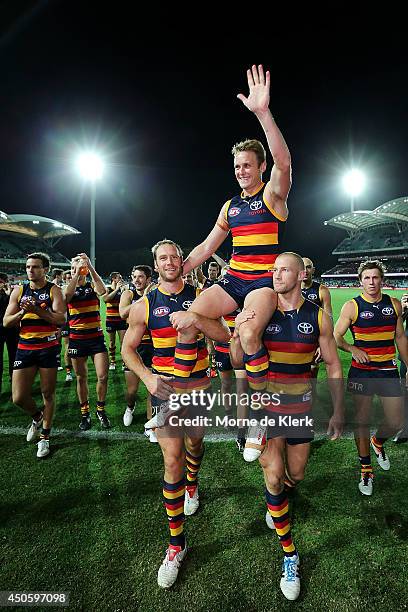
(387,311)
(255,205)
(312,296)
(186,305)
(44,296)
(274,328)
(366,314)
(305,328)
(233,212)
(161,311)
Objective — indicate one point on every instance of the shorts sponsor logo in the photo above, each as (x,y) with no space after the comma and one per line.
(51,338)
(355,385)
(233,212)
(274,328)
(72,351)
(17,363)
(186,305)
(387,311)
(305,328)
(366,314)
(256,205)
(224,281)
(161,311)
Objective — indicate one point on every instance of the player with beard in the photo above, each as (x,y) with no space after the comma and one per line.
(296,328)
(181,447)
(141,276)
(38,308)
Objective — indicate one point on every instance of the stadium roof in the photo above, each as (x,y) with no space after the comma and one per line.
(37,227)
(394,211)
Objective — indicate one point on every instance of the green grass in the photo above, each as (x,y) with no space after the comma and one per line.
(89,520)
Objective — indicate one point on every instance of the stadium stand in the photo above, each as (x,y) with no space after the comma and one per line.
(24,234)
(381,234)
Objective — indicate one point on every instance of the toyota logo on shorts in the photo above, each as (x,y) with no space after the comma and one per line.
(387,311)
(305,328)
(161,311)
(233,212)
(255,205)
(274,328)
(186,305)
(367,314)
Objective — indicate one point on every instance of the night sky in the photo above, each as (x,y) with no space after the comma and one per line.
(155,91)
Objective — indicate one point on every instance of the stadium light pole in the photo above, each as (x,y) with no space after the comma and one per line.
(90,166)
(353,183)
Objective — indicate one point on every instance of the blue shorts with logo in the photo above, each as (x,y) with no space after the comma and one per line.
(238,288)
(385,383)
(42,358)
(86,348)
(223,361)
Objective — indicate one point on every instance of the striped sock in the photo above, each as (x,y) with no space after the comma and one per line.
(278,508)
(112,353)
(85,408)
(100,406)
(256,367)
(366,467)
(193,464)
(185,358)
(45,433)
(378,442)
(173,495)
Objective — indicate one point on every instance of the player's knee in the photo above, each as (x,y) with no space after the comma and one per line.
(18,397)
(274,481)
(297,474)
(102,379)
(250,338)
(48,394)
(396,423)
(174,464)
(226,385)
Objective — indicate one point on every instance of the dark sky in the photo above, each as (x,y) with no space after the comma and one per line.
(155,90)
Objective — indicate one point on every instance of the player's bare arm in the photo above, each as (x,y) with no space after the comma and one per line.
(278,187)
(328,349)
(343,323)
(156,384)
(213,241)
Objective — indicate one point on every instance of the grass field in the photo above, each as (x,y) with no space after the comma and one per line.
(89,520)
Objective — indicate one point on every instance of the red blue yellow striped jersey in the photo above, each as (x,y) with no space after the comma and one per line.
(159,306)
(312,293)
(291,339)
(112,308)
(36,333)
(373,328)
(83,314)
(257,232)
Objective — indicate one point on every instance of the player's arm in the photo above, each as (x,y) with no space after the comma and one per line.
(155,384)
(213,241)
(98,284)
(125,303)
(200,276)
(326,301)
(214,329)
(400,338)
(277,189)
(14,313)
(220,261)
(344,321)
(58,313)
(108,296)
(328,349)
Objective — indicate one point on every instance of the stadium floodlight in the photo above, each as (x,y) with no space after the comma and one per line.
(90,167)
(353,183)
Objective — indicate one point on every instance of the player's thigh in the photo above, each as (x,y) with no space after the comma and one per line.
(171,444)
(80,365)
(393,410)
(22,382)
(214,303)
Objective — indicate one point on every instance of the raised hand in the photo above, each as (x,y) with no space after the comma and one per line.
(259,85)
